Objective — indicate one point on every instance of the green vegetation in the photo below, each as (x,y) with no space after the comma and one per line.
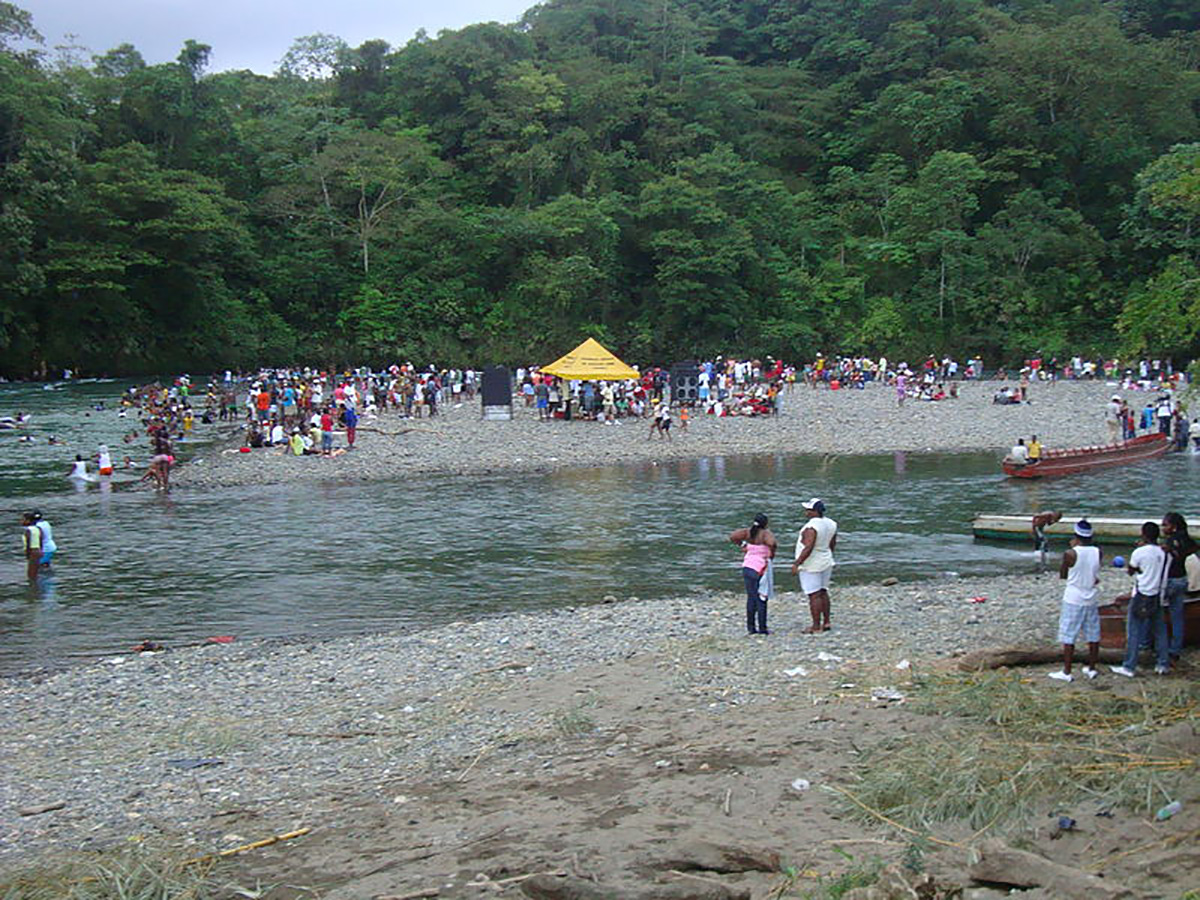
(1016,752)
(834,887)
(675,177)
(135,874)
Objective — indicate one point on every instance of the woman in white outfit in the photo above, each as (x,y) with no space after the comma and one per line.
(814,562)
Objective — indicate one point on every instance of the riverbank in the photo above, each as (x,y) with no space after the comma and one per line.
(583,737)
(457,441)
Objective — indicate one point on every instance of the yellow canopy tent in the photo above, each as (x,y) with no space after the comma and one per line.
(590,362)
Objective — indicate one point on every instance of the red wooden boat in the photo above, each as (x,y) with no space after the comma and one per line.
(1084,459)
(1113,616)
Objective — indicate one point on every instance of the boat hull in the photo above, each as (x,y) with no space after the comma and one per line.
(1113,618)
(1105,529)
(1084,459)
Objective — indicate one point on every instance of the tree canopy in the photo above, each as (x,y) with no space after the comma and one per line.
(676,178)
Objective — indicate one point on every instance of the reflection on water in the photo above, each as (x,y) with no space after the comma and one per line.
(337,558)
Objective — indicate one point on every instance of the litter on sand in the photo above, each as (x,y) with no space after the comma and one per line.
(799,671)
(885,693)
(801,785)
(828,657)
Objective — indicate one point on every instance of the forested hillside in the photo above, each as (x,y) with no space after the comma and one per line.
(674,177)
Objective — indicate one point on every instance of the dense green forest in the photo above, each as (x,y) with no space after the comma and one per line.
(673,177)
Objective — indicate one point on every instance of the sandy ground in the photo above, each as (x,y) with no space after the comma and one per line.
(811,421)
(619,744)
(657,799)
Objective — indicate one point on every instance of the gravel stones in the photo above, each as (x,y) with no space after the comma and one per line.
(293,724)
(457,441)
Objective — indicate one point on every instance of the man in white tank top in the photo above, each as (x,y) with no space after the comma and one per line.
(1080,566)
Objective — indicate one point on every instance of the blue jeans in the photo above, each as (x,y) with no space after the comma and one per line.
(1137,631)
(756,606)
(1176,592)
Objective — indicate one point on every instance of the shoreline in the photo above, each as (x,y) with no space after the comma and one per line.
(822,422)
(106,735)
(607,743)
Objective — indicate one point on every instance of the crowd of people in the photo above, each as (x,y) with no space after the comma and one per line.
(1159,414)
(722,387)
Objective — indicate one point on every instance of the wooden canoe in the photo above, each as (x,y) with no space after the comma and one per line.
(1105,529)
(1084,459)
(1113,617)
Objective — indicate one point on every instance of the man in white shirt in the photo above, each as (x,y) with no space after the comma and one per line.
(1080,611)
(1019,453)
(1164,410)
(1148,565)
(814,562)
(1112,418)
(48,546)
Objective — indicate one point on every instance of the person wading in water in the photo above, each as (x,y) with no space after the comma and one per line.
(759,546)
(1042,521)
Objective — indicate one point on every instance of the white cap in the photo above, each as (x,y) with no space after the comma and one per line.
(814,503)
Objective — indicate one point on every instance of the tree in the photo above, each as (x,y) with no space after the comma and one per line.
(362,183)
(1165,212)
(136,275)
(16,25)
(315,57)
(935,212)
(1163,318)
(119,62)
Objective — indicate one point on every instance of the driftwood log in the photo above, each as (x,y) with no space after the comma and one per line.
(550,887)
(980,660)
(707,856)
(998,863)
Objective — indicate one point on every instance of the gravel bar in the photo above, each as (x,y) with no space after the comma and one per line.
(821,421)
(169,743)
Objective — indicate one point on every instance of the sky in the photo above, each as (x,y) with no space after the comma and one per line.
(251,34)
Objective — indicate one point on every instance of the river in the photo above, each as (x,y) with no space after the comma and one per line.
(293,561)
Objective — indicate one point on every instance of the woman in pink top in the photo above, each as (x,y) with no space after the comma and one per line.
(758,545)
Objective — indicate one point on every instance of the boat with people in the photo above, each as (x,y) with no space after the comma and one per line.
(1083,459)
(1105,529)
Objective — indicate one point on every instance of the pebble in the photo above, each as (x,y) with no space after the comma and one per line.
(458,441)
(99,737)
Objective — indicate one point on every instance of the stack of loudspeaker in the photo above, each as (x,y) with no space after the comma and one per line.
(685,383)
(496,391)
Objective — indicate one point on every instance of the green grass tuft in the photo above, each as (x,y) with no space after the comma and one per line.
(138,874)
(1013,752)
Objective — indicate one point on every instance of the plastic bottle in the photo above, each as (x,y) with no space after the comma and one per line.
(1169,810)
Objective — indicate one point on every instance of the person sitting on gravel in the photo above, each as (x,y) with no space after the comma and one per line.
(1080,612)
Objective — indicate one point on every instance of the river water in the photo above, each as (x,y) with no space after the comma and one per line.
(284,560)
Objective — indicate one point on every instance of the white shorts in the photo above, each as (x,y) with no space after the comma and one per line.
(1075,619)
(811,582)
